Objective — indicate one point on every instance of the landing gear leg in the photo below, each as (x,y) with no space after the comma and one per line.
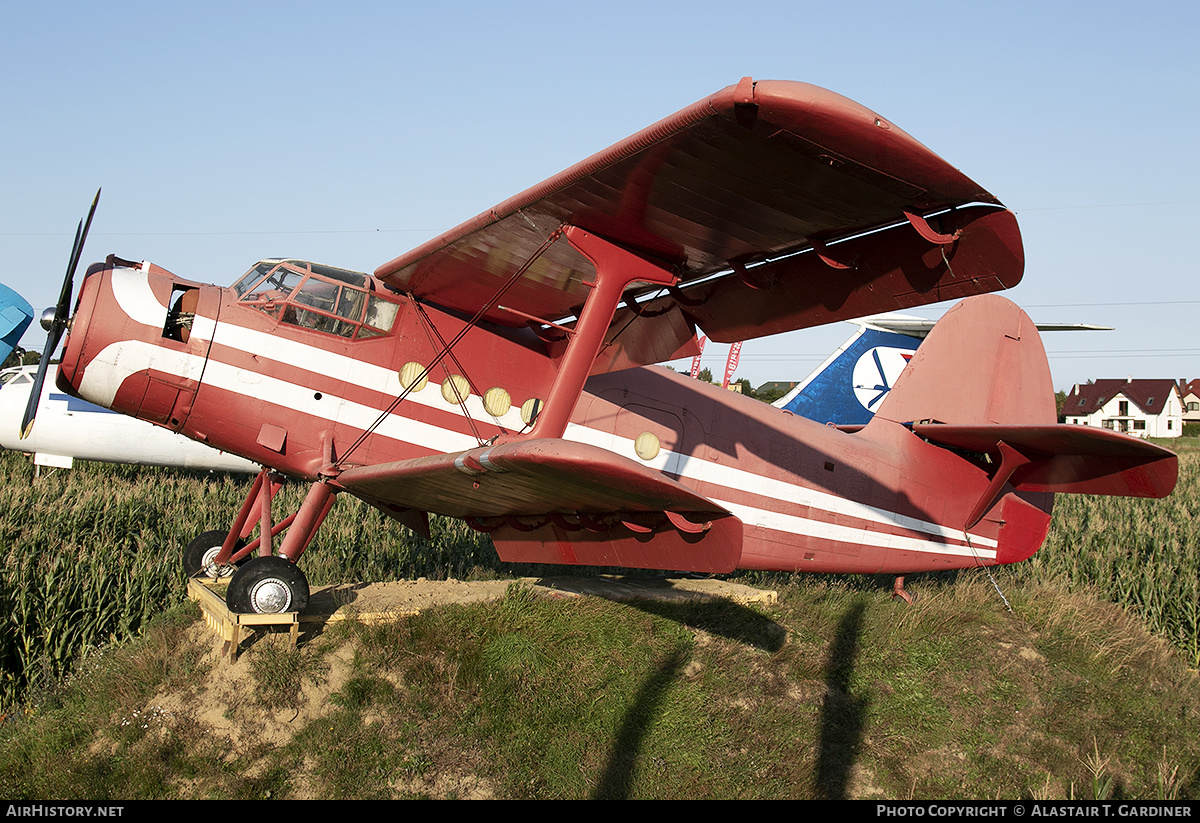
(898,591)
(268,583)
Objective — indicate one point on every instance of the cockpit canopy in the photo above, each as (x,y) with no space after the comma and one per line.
(322,298)
(19,376)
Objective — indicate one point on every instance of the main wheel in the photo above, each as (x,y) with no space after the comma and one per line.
(199,554)
(267,585)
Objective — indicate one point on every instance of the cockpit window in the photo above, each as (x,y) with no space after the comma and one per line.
(253,276)
(16,376)
(321,298)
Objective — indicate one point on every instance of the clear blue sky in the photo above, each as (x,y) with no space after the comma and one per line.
(223,133)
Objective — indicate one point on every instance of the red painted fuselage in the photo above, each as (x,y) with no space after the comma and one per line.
(242,374)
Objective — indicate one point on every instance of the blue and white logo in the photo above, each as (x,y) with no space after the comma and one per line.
(876,372)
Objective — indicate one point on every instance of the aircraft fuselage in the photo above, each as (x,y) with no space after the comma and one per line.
(238,372)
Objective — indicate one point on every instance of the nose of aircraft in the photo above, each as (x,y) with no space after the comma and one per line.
(128,348)
(70,369)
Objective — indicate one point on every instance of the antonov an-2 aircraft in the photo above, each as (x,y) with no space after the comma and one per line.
(497,373)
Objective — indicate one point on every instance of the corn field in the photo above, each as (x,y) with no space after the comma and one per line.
(88,556)
(1142,554)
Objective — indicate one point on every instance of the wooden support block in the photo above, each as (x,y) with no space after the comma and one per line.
(230,626)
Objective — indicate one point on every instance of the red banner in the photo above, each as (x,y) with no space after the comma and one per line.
(731,364)
(696,359)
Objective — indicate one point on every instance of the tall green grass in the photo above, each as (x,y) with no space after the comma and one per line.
(88,556)
(1141,554)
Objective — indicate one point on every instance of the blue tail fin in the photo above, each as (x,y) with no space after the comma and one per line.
(848,388)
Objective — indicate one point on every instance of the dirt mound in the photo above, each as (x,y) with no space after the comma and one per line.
(368,601)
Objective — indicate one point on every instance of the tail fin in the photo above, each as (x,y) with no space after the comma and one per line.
(980,383)
(850,385)
(982,363)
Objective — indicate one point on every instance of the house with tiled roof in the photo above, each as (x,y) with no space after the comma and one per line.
(1143,408)
(1189,393)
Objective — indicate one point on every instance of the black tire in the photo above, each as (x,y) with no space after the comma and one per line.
(197,557)
(267,585)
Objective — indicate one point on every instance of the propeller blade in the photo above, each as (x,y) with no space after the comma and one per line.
(81,233)
(35,394)
(59,324)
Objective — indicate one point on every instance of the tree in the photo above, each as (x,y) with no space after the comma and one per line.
(770,395)
(20,357)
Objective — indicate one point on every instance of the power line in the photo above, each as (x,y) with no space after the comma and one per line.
(1122,303)
(1108,206)
(222,233)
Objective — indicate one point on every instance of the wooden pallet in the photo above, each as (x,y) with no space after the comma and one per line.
(232,627)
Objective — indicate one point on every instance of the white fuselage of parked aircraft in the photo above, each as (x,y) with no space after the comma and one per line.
(69,429)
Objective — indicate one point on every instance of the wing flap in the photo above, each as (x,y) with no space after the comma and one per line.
(714,550)
(884,271)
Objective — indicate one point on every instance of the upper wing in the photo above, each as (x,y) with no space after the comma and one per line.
(728,193)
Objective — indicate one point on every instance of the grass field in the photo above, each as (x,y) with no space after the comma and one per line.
(1046,693)
(1141,554)
(835,692)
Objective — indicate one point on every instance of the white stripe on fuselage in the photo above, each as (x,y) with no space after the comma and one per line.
(126,358)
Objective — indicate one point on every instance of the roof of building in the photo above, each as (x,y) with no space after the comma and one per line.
(1187,387)
(1148,395)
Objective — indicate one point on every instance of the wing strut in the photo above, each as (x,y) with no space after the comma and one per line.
(616,270)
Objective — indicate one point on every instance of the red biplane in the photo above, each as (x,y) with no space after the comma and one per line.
(498,373)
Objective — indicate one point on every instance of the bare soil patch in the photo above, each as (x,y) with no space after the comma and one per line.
(374,601)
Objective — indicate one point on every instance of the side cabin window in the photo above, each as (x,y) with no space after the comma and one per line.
(17,377)
(322,298)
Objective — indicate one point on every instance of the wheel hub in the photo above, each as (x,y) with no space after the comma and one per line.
(210,569)
(270,596)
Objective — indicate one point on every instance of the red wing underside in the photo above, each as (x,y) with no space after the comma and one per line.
(754,173)
(555,501)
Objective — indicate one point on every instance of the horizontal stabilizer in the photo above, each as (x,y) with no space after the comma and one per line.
(1070,459)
